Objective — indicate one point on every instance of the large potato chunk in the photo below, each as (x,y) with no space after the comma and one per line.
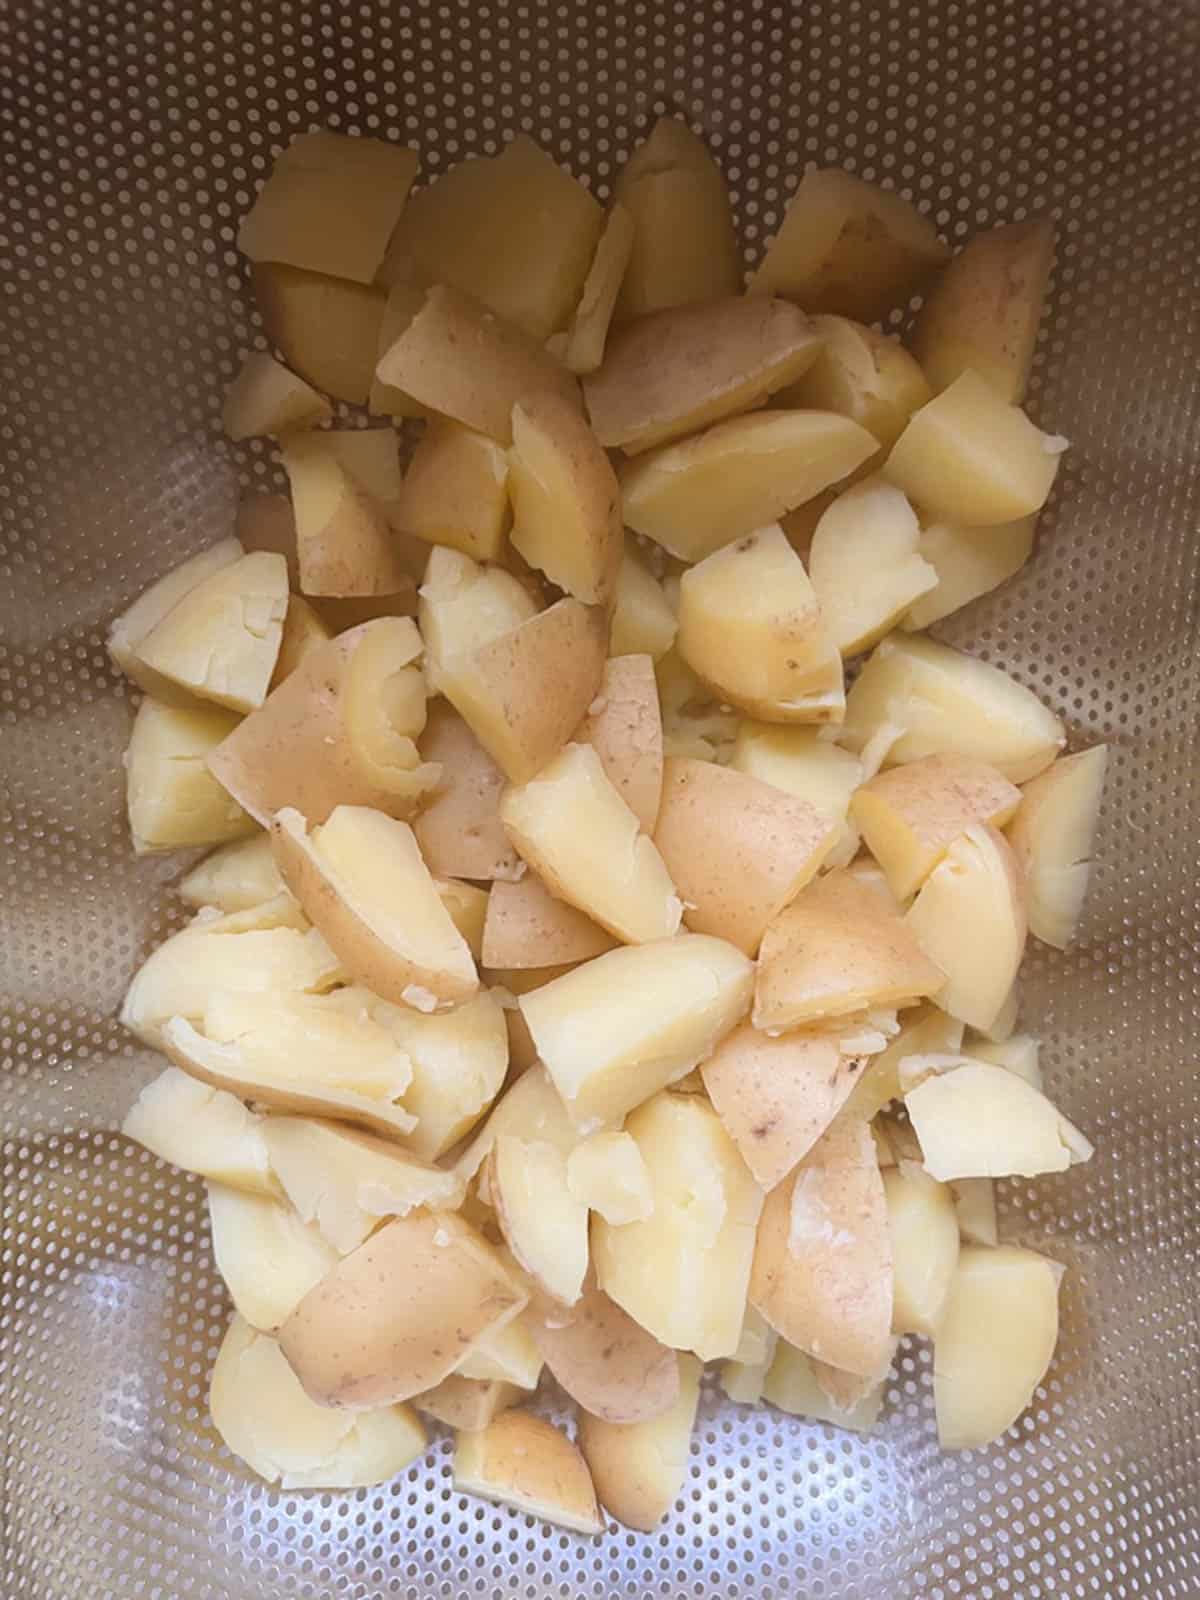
(624,727)
(343,538)
(341,729)
(327,328)
(850,248)
(458,1060)
(617,1029)
(969,562)
(607,1174)
(157,602)
(455,491)
(737,850)
(202,1130)
(909,816)
(572,826)
(643,622)
(970,457)
(639,1467)
(683,1273)
(976,886)
(982,314)
(266,1419)
(792,1383)
(862,374)
(172,799)
(694,496)
(865,565)
(361,880)
(588,332)
(544,1225)
(924,1228)
(994,1344)
(330,205)
(266,398)
(527,926)
(927,699)
(684,245)
(978,1120)
(1052,835)
(823,1261)
(464,361)
(750,625)
(400,1313)
(459,830)
(675,372)
(267,1255)
(837,949)
(522,1461)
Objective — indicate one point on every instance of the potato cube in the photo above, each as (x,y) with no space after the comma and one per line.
(608,1174)
(530,1108)
(639,1467)
(643,622)
(924,1228)
(523,1461)
(172,799)
(864,375)
(459,830)
(465,606)
(588,330)
(978,1120)
(1052,836)
(507,1354)
(455,491)
(969,562)
(327,328)
(865,565)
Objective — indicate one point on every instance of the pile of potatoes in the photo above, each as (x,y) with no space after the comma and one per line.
(585,980)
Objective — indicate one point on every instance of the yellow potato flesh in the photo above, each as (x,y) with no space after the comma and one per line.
(978,1120)
(172,799)
(458,1061)
(327,328)
(202,1130)
(791,1385)
(1052,836)
(864,375)
(969,562)
(588,331)
(924,1227)
(544,1224)
(607,1173)
(267,1255)
(643,622)
(803,764)
(455,491)
(266,398)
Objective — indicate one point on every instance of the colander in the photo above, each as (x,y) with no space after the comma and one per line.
(133,137)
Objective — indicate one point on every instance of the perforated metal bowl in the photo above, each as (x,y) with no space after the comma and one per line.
(133,138)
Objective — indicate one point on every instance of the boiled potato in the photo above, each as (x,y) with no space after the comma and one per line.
(467,904)
(531,1109)
(684,246)
(862,374)
(405,298)
(926,1031)
(266,398)
(969,562)
(643,622)
(683,1272)
(978,1120)
(983,312)
(618,1028)
(639,1468)
(459,830)
(507,1354)
(343,536)
(924,1228)
(792,1384)
(467,1403)
(970,457)
(608,1363)
(574,829)
(543,1223)
(696,495)
(1020,1053)
(522,1461)
(527,926)
(994,1344)
(465,605)
(455,491)
(802,763)
(588,330)
(975,1208)
(850,248)
(202,1130)
(738,850)
(566,506)
(469,364)
(607,1174)
(751,627)
(267,522)
(909,816)
(624,727)
(326,328)
(864,564)
(1052,836)
(695,721)
(361,877)
(835,950)
(268,1257)
(303,631)
(674,372)
(156,603)
(342,729)
(925,699)
(171,798)
(458,1060)
(330,204)
(976,885)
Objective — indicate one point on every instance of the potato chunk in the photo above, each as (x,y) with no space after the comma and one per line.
(455,491)
(624,727)
(459,830)
(607,1174)
(865,565)
(977,1120)
(850,248)
(531,1108)
(639,1467)
(522,1461)
(327,328)
(268,1257)
(266,398)
(801,763)
(343,537)
(864,375)
(793,1386)
(926,1031)
(172,799)
(459,1059)
(694,496)
(1052,835)
(588,331)
(618,1028)
(202,1130)
(608,1363)
(924,1228)
(968,456)
(527,926)
(464,606)
(543,1223)
(683,1272)
(969,562)
(155,603)
(643,622)
(467,1403)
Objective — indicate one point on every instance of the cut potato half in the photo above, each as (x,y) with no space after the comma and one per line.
(459,1059)
(522,1461)
(1052,836)
(639,1468)
(802,763)
(530,1108)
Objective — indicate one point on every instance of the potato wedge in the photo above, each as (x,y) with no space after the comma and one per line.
(738,850)
(862,374)
(968,456)
(643,622)
(924,1228)
(458,358)
(455,492)
(1052,836)
(398,1314)
(326,328)
(344,540)
(978,1120)
(171,798)
(465,605)
(202,1130)
(587,333)
(360,877)
(544,1225)
(467,1403)
(677,371)
(683,1272)
(995,1342)
(618,1028)
(850,248)
(405,297)
(865,565)
(527,926)
(607,1174)
(467,905)
(639,1468)
(566,504)
(265,398)
(459,1059)
(522,1461)
(624,727)
(983,312)
(835,950)
(926,699)
(267,522)
(268,1257)
(609,1365)
(459,830)
(822,1274)
(792,1385)
(694,496)
(507,1354)
(969,562)
(152,606)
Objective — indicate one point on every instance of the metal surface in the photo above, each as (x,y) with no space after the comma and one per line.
(133,137)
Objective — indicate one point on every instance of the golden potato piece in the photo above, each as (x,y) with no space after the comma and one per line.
(1020,1053)
(327,328)
(202,1130)
(978,1120)
(527,926)
(467,1403)
(835,950)
(738,850)
(459,830)
(467,905)
(171,798)
(607,1174)
(983,312)
(268,1257)
(1052,836)
(924,1228)
(643,622)
(265,398)
(330,204)
(865,565)
(995,1342)
(344,541)
(822,1273)
(970,457)
(507,1354)
(157,602)
(694,496)
(455,491)
(522,1461)
(543,1224)
(684,245)
(624,727)
(405,298)
(678,370)
(969,562)
(862,374)
(792,1384)
(463,607)
(639,1467)
(848,247)
(588,330)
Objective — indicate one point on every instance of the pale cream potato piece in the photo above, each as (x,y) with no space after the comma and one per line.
(587,334)
(792,1384)
(757,1344)
(543,1223)
(696,495)
(303,631)
(618,1028)
(969,562)
(463,606)
(924,1226)
(458,1058)
(865,566)
(344,539)
(975,1208)
(405,297)
(643,622)
(802,763)
(455,491)
(968,456)
(157,602)
(202,1130)
(172,800)
(926,1031)
(738,850)
(849,247)
(624,727)
(683,1273)
(267,522)
(1006,1019)
(327,328)
(527,926)
(608,1363)
(978,1120)
(639,1468)
(995,1342)
(608,1175)
(467,1403)
(459,828)
(507,1354)
(522,1461)
(530,1108)
(268,1257)
(1052,836)
(1020,1053)
(861,374)
(266,398)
